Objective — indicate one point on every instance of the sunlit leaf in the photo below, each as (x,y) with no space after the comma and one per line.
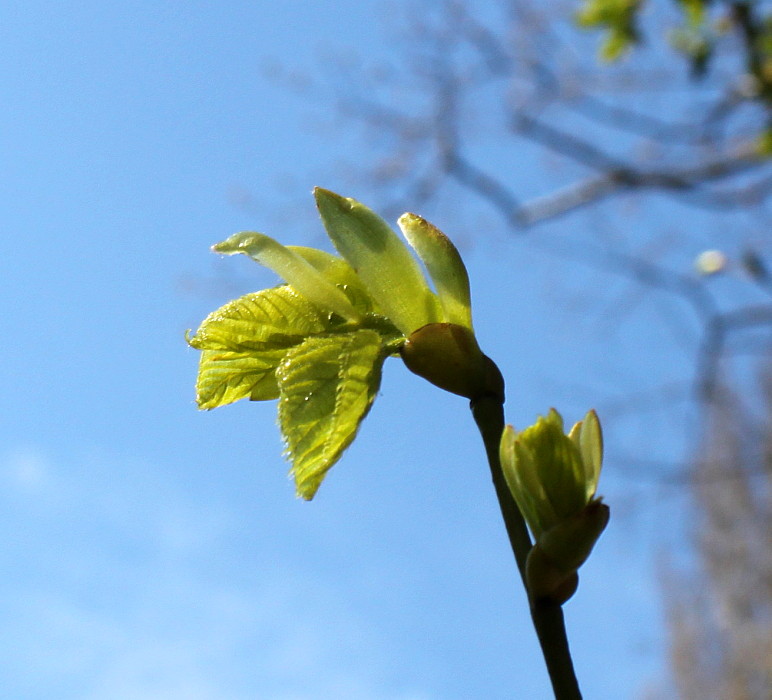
(336,270)
(244,341)
(225,377)
(251,321)
(327,386)
(591,448)
(520,475)
(444,265)
(292,268)
(385,265)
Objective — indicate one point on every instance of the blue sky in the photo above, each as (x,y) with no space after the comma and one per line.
(152,551)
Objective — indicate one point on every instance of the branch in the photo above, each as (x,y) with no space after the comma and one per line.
(487,186)
(626,175)
(714,341)
(635,122)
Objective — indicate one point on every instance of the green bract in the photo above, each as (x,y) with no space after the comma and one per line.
(318,342)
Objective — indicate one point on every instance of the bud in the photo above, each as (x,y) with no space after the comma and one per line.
(448,356)
(553,478)
(710,262)
(546,581)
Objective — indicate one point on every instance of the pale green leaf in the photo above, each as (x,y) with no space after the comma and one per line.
(327,386)
(244,341)
(563,477)
(225,377)
(445,267)
(518,468)
(588,439)
(545,471)
(293,269)
(251,321)
(385,265)
(558,464)
(341,274)
(591,447)
(554,418)
(336,270)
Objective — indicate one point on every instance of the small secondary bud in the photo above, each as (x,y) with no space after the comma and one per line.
(553,478)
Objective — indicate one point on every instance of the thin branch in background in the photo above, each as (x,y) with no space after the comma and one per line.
(618,175)
(487,186)
(634,122)
(716,332)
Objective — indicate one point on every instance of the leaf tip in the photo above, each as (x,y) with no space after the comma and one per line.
(408,218)
(305,494)
(329,198)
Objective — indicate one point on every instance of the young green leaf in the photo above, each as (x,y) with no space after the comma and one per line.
(293,269)
(389,272)
(340,273)
(445,267)
(521,475)
(327,386)
(244,341)
(225,377)
(251,321)
(588,437)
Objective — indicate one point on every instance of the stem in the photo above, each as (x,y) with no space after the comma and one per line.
(547,616)
(488,413)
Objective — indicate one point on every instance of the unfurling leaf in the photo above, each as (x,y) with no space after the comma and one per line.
(385,266)
(340,273)
(225,377)
(553,478)
(444,265)
(244,341)
(318,342)
(292,268)
(327,385)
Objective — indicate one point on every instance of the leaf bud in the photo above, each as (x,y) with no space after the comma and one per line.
(553,477)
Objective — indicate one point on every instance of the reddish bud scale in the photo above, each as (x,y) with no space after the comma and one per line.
(552,562)
(447,355)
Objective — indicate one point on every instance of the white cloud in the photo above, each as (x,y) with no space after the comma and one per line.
(277,642)
(26,470)
(122,592)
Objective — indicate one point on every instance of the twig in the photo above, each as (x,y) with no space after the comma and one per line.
(547,616)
